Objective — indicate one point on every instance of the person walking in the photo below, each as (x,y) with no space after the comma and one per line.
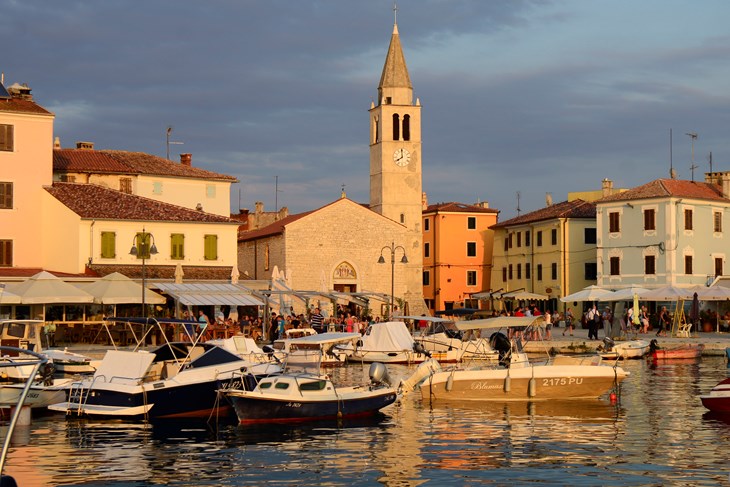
(568,322)
(593,318)
(203,325)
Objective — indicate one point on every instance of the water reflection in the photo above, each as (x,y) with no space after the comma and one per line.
(658,433)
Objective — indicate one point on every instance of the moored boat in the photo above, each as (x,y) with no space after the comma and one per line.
(445,343)
(629,349)
(516,377)
(688,351)
(718,399)
(387,342)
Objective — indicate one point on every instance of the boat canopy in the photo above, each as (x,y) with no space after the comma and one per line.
(326,338)
(498,322)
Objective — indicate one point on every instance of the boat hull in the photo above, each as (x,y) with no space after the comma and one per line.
(686,352)
(718,400)
(254,407)
(39,396)
(526,383)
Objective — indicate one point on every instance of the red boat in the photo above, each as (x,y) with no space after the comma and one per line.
(718,400)
(683,352)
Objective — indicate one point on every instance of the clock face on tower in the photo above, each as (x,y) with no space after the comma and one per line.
(402,157)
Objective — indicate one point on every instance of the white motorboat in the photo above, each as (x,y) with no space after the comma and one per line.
(516,377)
(318,350)
(246,348)
(446,343)
(388,342)
(629,349)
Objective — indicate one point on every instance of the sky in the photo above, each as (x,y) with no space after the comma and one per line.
(518,96)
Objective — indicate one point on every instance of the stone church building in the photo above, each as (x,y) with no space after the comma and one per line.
(311,249)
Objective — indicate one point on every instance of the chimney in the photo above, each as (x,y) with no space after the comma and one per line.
(424,200)
(186,159)
(85,145)
(606,187)
(22,91)
(721,179)
(548,199)
(259,208)
(57,143)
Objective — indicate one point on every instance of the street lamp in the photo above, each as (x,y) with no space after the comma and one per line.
(143,246)
(381,260)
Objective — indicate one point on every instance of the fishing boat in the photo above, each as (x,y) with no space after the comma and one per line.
(515,377)
(445,343)
(688,351)
(174,380)
(718,400)
(387,342)
(308,395)
(629,349)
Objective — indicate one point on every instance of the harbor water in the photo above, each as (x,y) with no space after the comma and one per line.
(657,433)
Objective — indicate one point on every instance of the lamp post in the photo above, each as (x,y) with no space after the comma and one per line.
(143,246)
(393,248)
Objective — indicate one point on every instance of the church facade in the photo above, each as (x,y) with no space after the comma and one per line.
(312,250)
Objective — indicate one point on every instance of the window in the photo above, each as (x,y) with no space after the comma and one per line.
(718,266)
(471,223)
(108,245)
(510,240)
(211,247)
(539,238)
(519,239)
(67,178)
(471,278)
(406,127)
(510,272)
(157,187)
(426,249)
(506,243)
(210,190)
(589,236)
(471,249)
(687,219)
(426,278)
(504,274)
(426,224)
(6,137)
(591,271)
(554,236)
(177,246)
(613,222)
(266,257)
(396,126)
(527,270)
(688,264)
(6,253)
(527,238)
(649,265)
(519,271)
(539,272)
(649,220)
(6,196)
(717,218)
(615,266)
(554,271)
(403,218)
(125,185)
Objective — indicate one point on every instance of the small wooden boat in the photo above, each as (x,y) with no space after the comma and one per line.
(629,349)
(690,351)
(718,400)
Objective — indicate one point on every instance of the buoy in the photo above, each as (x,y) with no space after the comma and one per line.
(612,398)
(450,382)
(531,386)
(507,383)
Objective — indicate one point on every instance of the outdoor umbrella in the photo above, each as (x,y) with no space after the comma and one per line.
(714,293)
(667,293)
(525,295)
(45,288)
(625,294)
(7,297)
(635,316)
(591,293)
(116,288)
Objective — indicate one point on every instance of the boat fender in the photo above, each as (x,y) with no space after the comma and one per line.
(450,382)
(531,387)
(507,383)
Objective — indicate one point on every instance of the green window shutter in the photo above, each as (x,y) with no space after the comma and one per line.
(211,247)
(108,245)
(177,245)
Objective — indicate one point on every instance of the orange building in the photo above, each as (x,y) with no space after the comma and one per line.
(457,253)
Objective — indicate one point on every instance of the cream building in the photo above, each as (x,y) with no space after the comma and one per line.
(337,247)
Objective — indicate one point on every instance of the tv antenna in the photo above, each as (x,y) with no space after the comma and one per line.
(710,160)
(518,203)
(168,141)
(693,136)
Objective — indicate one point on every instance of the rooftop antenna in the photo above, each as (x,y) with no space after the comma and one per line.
(276,193)
(693,136)
(710,159)
(395,12)
(672,172)
(518,203)
(168,142)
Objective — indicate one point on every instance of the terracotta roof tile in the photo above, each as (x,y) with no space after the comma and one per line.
(19,105)
(566,209)
(76,160)
(192,273)
(93,201)
(275,228)
(26,272)
(665,188)
(458,208)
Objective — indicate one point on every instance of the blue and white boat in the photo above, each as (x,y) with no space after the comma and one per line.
(175,380)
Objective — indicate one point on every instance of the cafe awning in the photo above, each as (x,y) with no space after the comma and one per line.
(204,294)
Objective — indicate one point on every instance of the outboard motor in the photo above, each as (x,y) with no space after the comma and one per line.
(608,343)
(379,374)
(501,344)
(419,348)
(654,346)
